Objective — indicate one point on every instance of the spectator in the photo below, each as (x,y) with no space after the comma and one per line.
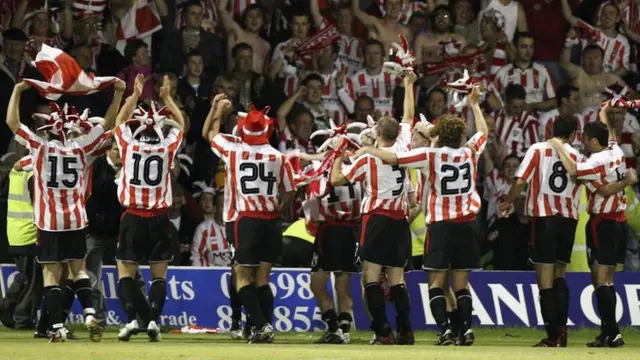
(296,135)
(350,47)
(136,54)
(275,22)
(616,47)
(178,43)
(183,227)
(498,181)
(248,33)
(194,87)
(533,77)
(516,128)
(509,240)
(210,246)
(494,43)
(365,106)
(250,83)
(300,33)
(513,12)
(441,41)
(40,27)
(105,59)
(464,18)
(387,29)
(417,25)
(210,17)
(13,68)
(436,104)
(373,81)
(568,100)
(103,212)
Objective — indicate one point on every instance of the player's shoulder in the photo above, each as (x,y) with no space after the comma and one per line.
(549,115)
(503,70)
(539,67)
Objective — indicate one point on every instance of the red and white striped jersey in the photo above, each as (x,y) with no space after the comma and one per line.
(60,176)
(601,168)
(534,79)
(459,104)
(379,87)
(145,179)
(335,203)
(449,192)
(616,49)
(289,141)
(210,246)
(518,133)
(625,140)
(277,54)
(256,173)
(546,127)
(550,190)
(499,60)
(330,101)
(385,187)
(350,54)
(496,190)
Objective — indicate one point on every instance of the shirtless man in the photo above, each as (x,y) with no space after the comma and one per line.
(253,20)
(591,78)
(387,29)
(428,46)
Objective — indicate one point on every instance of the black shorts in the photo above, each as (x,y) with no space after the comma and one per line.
(257,241)
(60,246)
(606,241)
(384,241)
(229,228)
(552,239)
(335,248)
(451,245)
(145,239)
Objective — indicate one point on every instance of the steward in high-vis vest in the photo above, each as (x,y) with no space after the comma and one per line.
(22,299)
(418,229)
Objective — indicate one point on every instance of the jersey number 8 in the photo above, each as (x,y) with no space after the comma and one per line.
(558,180)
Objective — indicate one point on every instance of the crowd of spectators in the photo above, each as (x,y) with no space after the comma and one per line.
(537,60)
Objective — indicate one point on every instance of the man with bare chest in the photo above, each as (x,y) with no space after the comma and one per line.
(433,46)
(591,78)
(387,29)
(249,33)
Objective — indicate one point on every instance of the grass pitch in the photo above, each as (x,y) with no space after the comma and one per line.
(490,344)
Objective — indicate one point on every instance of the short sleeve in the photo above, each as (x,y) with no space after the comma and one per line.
(528,165)
(357,171)
(27,138)
(287,175)
(221,144)
(477,143)
(417,158)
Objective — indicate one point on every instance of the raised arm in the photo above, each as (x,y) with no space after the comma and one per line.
(366,19)
(409,105)
(337,178)
(568,14)
(230,25)
(315,13)
(219,106)
(126,111)
(112,112)
(604,117)
(165,95)
(286,107)
(575,71)
(13,110)
(568,163)
(478,116)
(521,24)
(18,16)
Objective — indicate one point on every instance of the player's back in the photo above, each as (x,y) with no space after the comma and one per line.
(385,186)
(145,179)
(551,191)
(449,186)
(259,171)
(614,168)
(342,203)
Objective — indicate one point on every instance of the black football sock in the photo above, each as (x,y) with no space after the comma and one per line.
(438,305)
(607,311)
(454,320)
(561,290)
(140,302)
(345,320)
(331,319)
(401,301)
(68,296)
(614,295)
(549,313)
(613,298)
(43,322)
(157,296)
(127,292)
(266,302)
(377,308)
(249,298)
(82,288)
(463,315)
(236,305)
(52,303)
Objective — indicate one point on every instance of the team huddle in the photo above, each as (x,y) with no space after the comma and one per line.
(359,200)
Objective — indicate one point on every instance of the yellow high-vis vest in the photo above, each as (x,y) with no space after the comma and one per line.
(633,211)
(21,230)
(579,261)
(418,226)
(299,230)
